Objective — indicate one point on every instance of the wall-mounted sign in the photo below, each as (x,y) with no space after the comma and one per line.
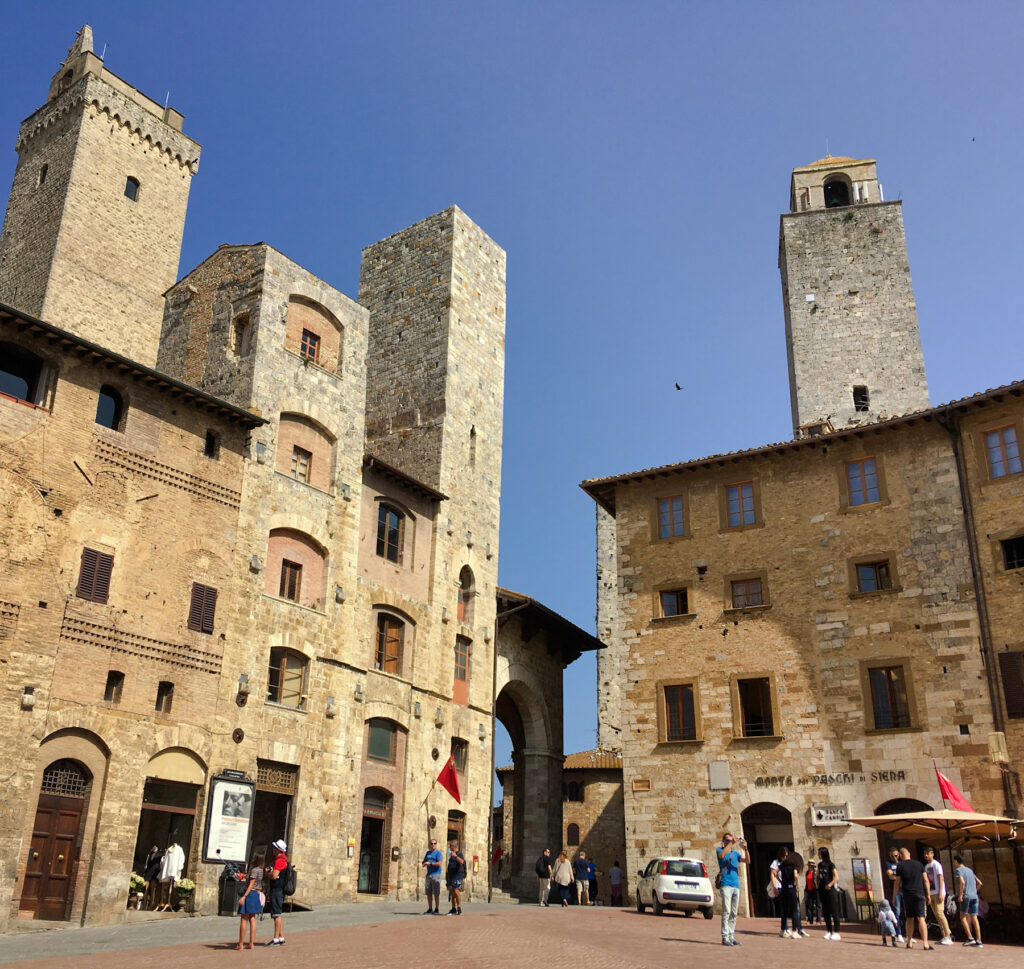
(823,815)
(228,820)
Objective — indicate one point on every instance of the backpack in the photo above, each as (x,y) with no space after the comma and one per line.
(290,879)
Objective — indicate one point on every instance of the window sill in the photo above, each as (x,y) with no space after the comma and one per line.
(864,506)
(24,403)
(774,737)
(304,484)
(673,620)
(293,604)
(727,529)
(286,706)
(882,731)
(696,742)
(317,366)
(377,762)
(876,593)
(735,611)
(685,537)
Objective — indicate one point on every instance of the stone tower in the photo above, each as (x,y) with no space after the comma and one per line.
(92,235)
(851,323)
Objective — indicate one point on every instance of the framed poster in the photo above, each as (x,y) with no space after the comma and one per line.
(862,890)
(228,820)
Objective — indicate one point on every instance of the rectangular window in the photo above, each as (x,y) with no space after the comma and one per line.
(1013,553)
(301,461)
(164,696)
(861,398)
(286,678)
(746,593)
(1011,671)
(310,345)
(240,332)
(115,684)
(390,633)
(889,697)
(381,741)
(680,719)
(740,504)
(202,608)
(673,602)
(1003,452)
(460,753)
(670,517)
(755,697)
(211,445)
(862,478)
(291,580)
(94,577)
(461,658)
(390,531)
(873,577)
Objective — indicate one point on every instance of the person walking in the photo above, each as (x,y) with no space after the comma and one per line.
(828,881)
(250,904)
(543,869)
(910,880)
(432,886)
(731,854)
(454,875)
(591,882)
(615,877)
(812,903)
(789,871)
(581,873)
(275,897)
(936,888)
(897,899)
(967,885)
(887,922)
(562,875)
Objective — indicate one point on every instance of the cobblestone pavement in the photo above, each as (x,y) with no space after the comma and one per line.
(395,935)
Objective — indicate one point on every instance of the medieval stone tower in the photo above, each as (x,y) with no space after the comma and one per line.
(851,323)
(92,235)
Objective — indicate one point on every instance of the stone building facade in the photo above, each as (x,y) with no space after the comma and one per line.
(796,632)
(250,538)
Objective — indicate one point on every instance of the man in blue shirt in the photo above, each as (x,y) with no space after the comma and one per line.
(432,862)
(581,873)
(967,885)
(731,855)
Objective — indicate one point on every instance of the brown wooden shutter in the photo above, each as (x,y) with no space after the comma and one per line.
(94,579)
(87,576)
(1011,668)
(202,608)
(209,608)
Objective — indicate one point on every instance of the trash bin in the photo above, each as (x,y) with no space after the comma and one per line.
(229,890)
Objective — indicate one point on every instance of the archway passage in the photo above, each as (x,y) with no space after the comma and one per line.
(767,827)
(56,839)
(887,841)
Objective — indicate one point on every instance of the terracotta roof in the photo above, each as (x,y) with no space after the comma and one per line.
(602,490)
(608,759)
(830,160)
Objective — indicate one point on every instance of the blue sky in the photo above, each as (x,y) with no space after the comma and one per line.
(632,159)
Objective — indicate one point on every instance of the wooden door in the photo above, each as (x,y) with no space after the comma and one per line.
(48,876)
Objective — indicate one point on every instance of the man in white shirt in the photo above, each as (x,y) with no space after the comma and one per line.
(935,885)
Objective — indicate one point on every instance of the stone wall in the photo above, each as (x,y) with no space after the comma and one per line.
(610,669)
(600,819)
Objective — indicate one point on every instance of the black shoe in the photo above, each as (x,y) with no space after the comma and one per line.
(453,911)
(733,942)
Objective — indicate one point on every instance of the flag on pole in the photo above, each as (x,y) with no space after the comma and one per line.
(950,792)
(449,780)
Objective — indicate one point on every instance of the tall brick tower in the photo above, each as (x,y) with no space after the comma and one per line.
(851,323)
(92,235)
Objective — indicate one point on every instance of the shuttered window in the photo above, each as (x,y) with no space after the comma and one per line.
(202,609)
(1011,668)
(390,634)
(94,579)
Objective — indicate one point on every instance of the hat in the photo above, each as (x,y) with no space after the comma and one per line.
(280,845)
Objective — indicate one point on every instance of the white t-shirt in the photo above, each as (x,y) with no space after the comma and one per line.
(934,871)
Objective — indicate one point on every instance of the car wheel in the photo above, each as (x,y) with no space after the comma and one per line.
(688,912)
(639,904)
(709,913)
(656,906)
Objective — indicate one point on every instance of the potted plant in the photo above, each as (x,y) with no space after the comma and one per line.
(136,886)
(186,888)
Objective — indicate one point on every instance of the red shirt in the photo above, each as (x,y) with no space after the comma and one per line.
(280,862)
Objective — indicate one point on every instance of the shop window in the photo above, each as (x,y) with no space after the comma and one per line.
(572,835)
(382,740)
(390,533)
(467,593)
(131,189)
(460,689)
(574,791)
(672,602)
(21,373)
(1013,552)
(755,707)
(287,678)
(94,577)
(670,517)
(164,696)
(109,409)
(202,608)
(390,642)
(862,482)
(1011,671)
(1003,452)
(874,577)
(460,754)
(114,686)
(746,593)
(680,714)
(889,697)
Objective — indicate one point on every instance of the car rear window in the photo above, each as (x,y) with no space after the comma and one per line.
(685,868)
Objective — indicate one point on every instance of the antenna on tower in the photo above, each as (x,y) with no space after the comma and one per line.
(104,54)
(167,100)
(827,155)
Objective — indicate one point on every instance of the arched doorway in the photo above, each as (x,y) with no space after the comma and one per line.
(374,863)
(767,827)
(49,887)
(887,841)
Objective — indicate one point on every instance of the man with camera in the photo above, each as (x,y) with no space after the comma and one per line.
(731,855)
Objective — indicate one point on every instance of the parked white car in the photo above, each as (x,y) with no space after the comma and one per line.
(681,883)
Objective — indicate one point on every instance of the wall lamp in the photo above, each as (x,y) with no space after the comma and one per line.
(417,711)
(28,698)
(481,732)
(339,594)
(254,564)
(331,711)
(438,719)
(243,685)
(359,691)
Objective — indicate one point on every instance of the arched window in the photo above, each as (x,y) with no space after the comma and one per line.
(131,189)
(304,451)
(286,682)
(109,409)
(114,686)
(467,593)
(572,791)
(66,778)
(390,643)
(390,533)
(382,740)
(837,193)
(296,565)
(572,835)
(314,333)
(21,373)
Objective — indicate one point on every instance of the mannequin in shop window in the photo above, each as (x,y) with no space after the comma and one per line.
(151,873)
(170,871)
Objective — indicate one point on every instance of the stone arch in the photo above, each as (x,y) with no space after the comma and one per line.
(886,841)
(767,826)
(838,190)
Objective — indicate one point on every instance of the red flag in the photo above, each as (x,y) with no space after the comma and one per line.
(950,792)
(449,780)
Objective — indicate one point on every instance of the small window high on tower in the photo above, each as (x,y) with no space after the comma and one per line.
(861,398)
(131,189)
(837,193)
